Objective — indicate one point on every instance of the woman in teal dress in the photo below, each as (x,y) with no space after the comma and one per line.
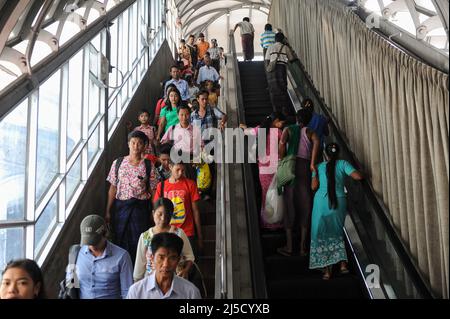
(329,211)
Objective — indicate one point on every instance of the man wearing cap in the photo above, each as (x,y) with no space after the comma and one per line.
(104,270)
(163,283)
(202,46)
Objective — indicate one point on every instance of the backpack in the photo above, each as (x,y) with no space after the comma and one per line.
(68,287)
(148,170)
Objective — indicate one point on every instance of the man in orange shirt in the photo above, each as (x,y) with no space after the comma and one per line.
(202,46)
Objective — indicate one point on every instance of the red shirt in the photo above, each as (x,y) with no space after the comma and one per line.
(159,106)
(182,194)
(152,158)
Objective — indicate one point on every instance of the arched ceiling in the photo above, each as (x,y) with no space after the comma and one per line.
(197,15)
(426,20)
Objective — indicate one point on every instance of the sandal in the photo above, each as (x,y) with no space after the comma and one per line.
(283,251)
(326,274)
(344,270)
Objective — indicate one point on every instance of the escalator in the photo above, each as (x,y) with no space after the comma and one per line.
(287,277)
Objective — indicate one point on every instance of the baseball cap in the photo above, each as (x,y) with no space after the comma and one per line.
(92,229)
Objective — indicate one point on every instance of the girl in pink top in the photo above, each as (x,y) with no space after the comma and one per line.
(148,130)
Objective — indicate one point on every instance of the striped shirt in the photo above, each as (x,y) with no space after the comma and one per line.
(267,38)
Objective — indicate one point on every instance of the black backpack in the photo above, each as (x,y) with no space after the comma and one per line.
(67,287)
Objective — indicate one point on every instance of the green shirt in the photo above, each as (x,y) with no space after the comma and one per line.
(171,117)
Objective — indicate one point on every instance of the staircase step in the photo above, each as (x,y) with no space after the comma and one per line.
(291,266)
(209,232)
(343,287)
(210,283)
(207,265)
(208,218)
(209,248)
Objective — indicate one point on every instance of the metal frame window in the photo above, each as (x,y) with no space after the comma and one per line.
(52,140)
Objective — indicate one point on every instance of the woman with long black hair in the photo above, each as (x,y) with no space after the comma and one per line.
(329,211)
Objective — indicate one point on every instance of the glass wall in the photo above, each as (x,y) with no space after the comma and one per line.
(51,142)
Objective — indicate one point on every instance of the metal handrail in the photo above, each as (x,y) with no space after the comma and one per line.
(223,230)
(256,256)
(222,245)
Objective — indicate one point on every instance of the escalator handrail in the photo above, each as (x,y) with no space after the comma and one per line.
(255,247)
(407,259)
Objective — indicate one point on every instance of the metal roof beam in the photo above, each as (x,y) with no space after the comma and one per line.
(203,26)
(8,20)
(198,5)
(442,8)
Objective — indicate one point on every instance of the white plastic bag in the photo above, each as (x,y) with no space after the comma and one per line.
(274,207)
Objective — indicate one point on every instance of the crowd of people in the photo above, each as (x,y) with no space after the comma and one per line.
(149,240)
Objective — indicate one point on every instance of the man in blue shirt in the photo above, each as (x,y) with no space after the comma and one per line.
(163,283)
(103,270)
(181,84)
(267,38)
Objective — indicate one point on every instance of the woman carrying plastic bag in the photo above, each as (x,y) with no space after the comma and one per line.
(274,208)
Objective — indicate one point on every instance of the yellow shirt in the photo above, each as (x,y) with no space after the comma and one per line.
(212,99)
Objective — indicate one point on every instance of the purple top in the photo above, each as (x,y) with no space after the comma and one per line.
(304,147)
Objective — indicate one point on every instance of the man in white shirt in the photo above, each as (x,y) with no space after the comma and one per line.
(207,72)
(163,283)
(247,36)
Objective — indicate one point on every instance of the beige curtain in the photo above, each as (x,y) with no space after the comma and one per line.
(394,112)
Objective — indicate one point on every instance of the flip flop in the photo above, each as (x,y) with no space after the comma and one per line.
(344,271)
(326,276)
(284,252)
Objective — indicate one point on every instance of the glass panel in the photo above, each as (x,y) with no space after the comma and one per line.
(69,30)
(40,51)
(48,134)
(125,43)
(93,144)
(372,5)
(94,60)
(112,114)
(6,78)
(74,112)
(45,223)
(133,35)
(73,179)
(13,155)
(93,15)
(11,245)
(94,100)
(405,21)
(427,4)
